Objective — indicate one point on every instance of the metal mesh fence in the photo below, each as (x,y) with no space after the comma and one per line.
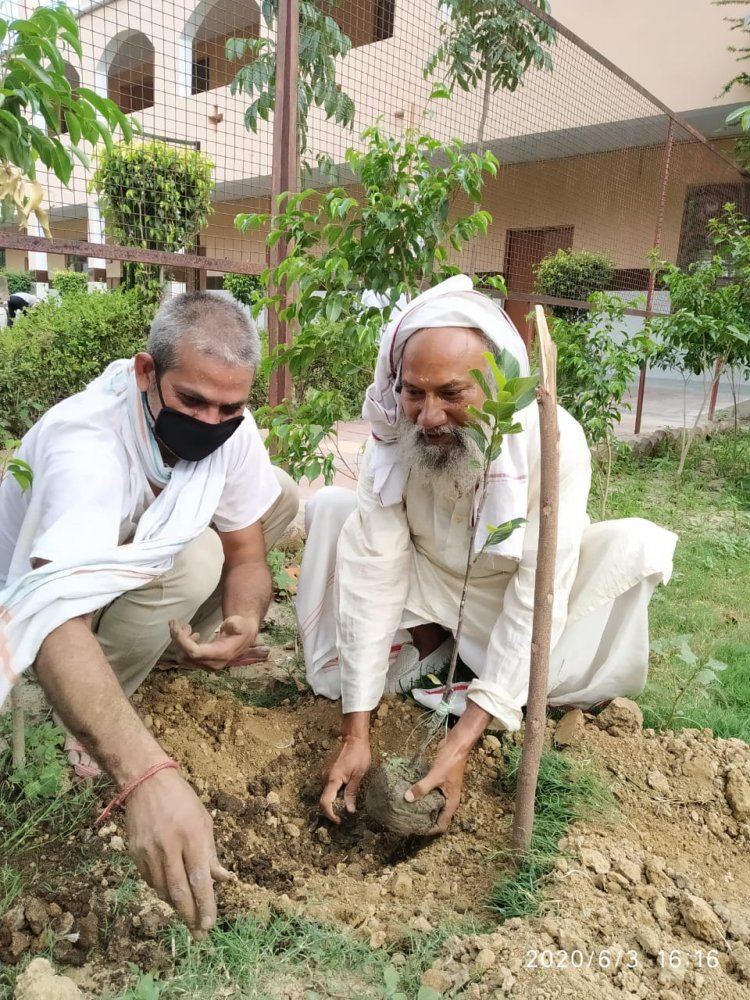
(588,159)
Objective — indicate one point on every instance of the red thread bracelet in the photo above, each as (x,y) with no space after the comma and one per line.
(128,789)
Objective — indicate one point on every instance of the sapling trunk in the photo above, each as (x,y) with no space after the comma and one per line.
(19,738)
(541,637)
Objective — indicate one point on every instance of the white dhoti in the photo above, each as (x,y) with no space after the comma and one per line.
(371,571)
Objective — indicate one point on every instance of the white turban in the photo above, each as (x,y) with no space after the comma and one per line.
(455,303)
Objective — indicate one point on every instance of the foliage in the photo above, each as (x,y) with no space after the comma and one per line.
(246,288)
(321,42)
(16,467)
(709,592)
(597,363)
(709,323)
(489,42)
(55,349)
(41,776)
(155,197)
(18,281)
(283,582)
(573,274)
(323,355)
(39,106)
(394,988)
(258,397)
(701,676)
(740,115)
(70,283)
(566,793)
(390,242)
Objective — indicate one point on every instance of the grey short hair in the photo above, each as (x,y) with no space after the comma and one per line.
(215,325)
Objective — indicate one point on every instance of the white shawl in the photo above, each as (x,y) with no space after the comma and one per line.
(454,302)
(35,603)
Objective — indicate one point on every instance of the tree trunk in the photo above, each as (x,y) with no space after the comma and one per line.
(19,741)
(541,637)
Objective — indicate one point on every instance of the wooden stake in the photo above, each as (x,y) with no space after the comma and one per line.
(19,739)
(541,637)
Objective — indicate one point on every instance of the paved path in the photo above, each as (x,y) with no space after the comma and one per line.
(663,404)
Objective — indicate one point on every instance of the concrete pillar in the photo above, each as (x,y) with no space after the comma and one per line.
(97,265)
(38,261)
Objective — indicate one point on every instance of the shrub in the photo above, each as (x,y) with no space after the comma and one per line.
(18,281)
(573,274)
(55,349)
(70,283)
(246,288)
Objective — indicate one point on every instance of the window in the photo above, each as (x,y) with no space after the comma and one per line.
(385,13)
(200,76)
(74,262)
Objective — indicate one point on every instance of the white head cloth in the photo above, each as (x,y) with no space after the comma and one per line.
(454,302)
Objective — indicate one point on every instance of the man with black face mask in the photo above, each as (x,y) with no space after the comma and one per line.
(143,536)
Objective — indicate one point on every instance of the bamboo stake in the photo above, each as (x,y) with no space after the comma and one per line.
(541,637)
(17,715)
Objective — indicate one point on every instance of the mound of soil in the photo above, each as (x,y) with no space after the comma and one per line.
(650,903)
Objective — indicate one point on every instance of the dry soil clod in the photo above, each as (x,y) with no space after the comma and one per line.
(385,803)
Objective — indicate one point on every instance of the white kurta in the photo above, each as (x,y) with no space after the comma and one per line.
(369,571)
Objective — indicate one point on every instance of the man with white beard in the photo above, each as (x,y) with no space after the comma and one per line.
(383,569)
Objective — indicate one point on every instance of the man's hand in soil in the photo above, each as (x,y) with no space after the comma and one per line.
(170,837)
(447,771)
(350,766)
(235,635)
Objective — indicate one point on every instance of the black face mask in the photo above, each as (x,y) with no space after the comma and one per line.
(187,437)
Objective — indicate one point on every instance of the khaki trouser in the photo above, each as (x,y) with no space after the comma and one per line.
(133,630)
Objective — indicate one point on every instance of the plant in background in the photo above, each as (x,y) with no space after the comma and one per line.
(67,283)
(708,328)
(18,281)
(246,288)
(39,106)
(55,349)
(155,197)
(740,116)
(389,242)
(42,776)
(597,363)
(693,677)
(488,44)
(573,274)
(321,42)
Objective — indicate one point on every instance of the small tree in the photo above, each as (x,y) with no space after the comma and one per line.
(596,365)
(489,44)
(33,82)
(573,274)
(155,197)
(321,42)
(391,242)
(709,323)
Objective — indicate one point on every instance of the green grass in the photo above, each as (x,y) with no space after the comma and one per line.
(265,956)
(11,887)
(708,597)
(34,801)
(566,792)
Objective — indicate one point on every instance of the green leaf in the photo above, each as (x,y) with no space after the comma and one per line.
(427,993)
(498,533)
(440,91)
(390,978)
(481,381)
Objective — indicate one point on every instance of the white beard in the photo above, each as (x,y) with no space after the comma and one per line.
(457,467)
